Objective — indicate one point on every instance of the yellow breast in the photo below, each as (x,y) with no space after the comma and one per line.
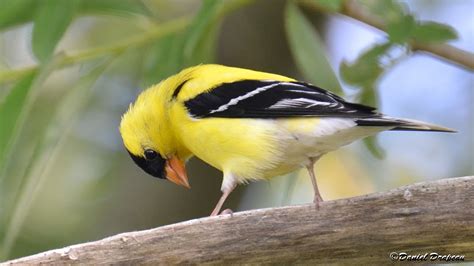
(244,146)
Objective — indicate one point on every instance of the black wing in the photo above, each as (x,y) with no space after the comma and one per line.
(273,99)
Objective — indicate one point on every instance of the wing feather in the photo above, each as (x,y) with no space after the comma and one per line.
(273,99)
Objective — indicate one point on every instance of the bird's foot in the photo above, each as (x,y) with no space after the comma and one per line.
(317,200)
(224,212)
(227,211)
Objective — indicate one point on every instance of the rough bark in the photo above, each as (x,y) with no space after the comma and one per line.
(417,219)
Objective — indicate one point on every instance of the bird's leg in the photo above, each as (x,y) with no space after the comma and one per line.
(224,196)
(310,167)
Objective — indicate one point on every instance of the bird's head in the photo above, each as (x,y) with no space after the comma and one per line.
(150,141)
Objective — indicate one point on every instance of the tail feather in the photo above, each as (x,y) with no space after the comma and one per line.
(401,124)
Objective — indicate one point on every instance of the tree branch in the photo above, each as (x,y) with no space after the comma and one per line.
(445,52)
(425,217)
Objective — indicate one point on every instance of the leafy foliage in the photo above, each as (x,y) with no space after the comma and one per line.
(402,29)
(51,20)
(330,5)
(365,73)
(13,12)
(17,12)
(118,7)
(169,50)
(309,51)
(10,110)
(197,45)
(432,32)
(366,69)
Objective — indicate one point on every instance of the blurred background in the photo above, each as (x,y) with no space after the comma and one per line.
(69,69)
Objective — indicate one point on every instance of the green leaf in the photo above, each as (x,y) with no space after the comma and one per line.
(26,105)
(366,69)
(69,106)
(372,144)
(402,26)
(195,46)
(407,29)
(330,5)
(10,110)
(52,137)
(232,5)
(14,12)
(369,96)
(51,21)
(388,10)
(201,37)
(401,31)
(200,43)
(432,32)
(205,50)
(364,73)
(308,50)
(164,59)
(113,6)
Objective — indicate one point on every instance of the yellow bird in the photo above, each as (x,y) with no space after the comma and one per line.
(250,125)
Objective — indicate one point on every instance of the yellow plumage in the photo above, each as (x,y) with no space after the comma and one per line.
(217,141)
(160,127)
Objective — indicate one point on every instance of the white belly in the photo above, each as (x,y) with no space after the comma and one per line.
(312,137)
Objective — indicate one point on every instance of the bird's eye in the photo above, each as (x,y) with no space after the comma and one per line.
(150,154)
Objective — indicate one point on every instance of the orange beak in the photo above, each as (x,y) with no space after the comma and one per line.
(176,172)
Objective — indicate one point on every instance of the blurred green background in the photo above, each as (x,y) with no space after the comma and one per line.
(69,69)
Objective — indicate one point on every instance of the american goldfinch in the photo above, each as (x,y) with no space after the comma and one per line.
(250,125)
